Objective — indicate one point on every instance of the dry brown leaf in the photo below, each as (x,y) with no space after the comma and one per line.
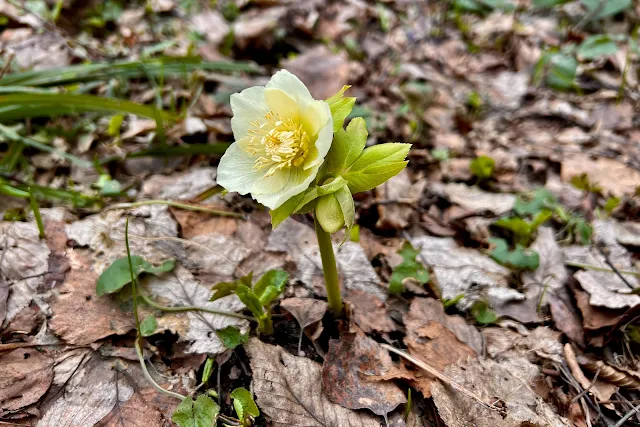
(474,199)
(344,375)
(194,224)
(184,186)
(257,24)
(602,391)
(616,179)
(4,297)
(509,380)
(504,343)
(307,311)
(289,391)
(369,313)
(396,216)
(79,316)
(25,376)
(212,25)
(628,233)
(566,320)
(593,317)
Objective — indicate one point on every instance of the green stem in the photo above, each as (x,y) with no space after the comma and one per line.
(134,290)
(179,205)
(36,213)
(596,268)
(153,304)
(331,280)
(148,376)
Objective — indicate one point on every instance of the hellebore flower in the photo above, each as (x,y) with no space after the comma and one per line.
(282,136)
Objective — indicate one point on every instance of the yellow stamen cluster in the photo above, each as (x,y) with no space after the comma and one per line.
(280,143)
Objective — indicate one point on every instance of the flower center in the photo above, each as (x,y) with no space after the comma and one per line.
(279,143)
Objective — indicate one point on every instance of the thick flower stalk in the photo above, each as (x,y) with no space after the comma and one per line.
(292,154)
(282,136)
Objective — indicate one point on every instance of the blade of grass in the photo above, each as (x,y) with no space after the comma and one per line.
(36,214)
(17,138)
(11,157)
(46,193)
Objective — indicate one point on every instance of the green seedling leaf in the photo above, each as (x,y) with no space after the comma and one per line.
(208,367)
(115,124)
(596,46)
(117,275)
(561,70)
(408,268)
(244,404)
(270,286)
(251,300)
(452,301)
(482,167)
(232,337)
(201,413)
(584,230)
(440,154)
(482,313)
(542,217)
(347,146)
(148,326)
(108,186)
(548,3)
(376,165)
(518,259)
(582,182)
(610,8)
(611,204)
(541,199)
(340,108)
(223,289)
(520,229)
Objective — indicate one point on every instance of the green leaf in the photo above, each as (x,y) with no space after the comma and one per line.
(548,3)
(482,167)
(201,413)
(542,217)
(340,108)
(596,46)
(232,337)
(518,259)
(117,275)
(376,165)
(482,313)
(541,199)
(611,204)
(115,124)
(347,206)
(408,268)
(108,186)
(347,146)
(270,286)
(223,289)
(329,213)
(562,70)
(148,326)
(584,230)
(611,7)
(582,182)
(208,367)
(520,229)
(251,300)
(244,404)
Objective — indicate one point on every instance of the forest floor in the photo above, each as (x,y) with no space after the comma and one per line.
(494,282)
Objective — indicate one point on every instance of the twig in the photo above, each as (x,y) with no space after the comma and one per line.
(173,204)
(178,309)
(629,414)
(445,379)
(596,268)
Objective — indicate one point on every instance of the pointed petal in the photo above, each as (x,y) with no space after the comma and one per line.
(292,85)
(235,171)
(247,106)
(324,138)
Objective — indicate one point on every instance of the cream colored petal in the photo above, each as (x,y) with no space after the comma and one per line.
(281,103)
(323,140)
(314,116)
(299,181)
(271,184)
(292,85)
(247,106)
(235,171)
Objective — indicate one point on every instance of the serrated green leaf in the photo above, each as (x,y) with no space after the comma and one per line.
(596,46)
(408,268)
(376,165)
(482,167)
(340,108)
(482,313)
(232,337)
(148,326)
(244,404)
(270,286)
(347,146)
(541,199)
(518,259)
(117,275)
(201,413)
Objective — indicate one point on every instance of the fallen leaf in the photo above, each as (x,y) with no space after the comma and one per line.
(4,297)
(601,390)
(25,376)
(509,381)
(300,243)
(628,233)
(593,317)
(567,320)
(79,316)
(615,178)
(396,216)
(257,23)
(289,391)
(181,288)
(369,312)
(212,25)
(307,311)
(474,199)
(183,186)
(194,224)
(425,310)
(344,375)
(322,71)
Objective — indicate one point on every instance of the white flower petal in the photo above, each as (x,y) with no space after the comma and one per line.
(324,139)
(247,106)
(281,103)
(291,85)
(271,184)
(299,181)
(236,172)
